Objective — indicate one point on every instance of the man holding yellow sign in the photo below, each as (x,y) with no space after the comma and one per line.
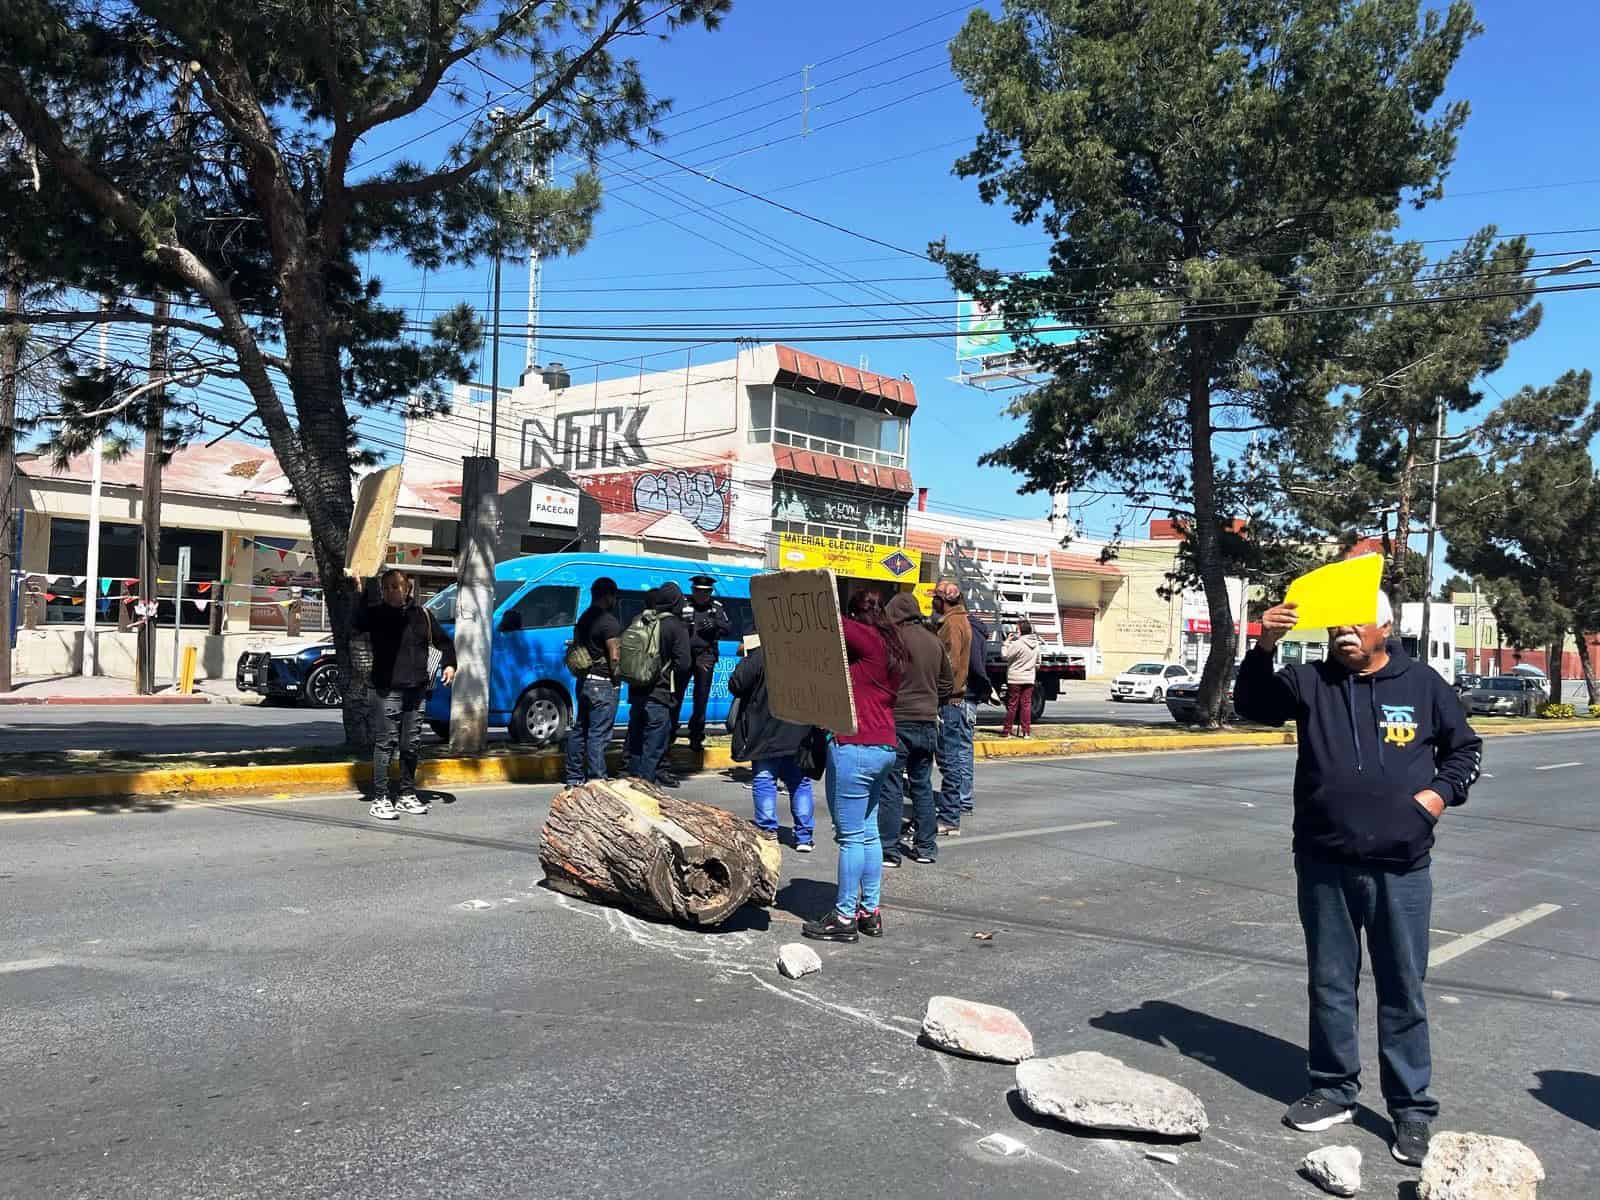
(1384,748)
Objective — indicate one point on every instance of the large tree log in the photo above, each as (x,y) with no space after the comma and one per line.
(626,842)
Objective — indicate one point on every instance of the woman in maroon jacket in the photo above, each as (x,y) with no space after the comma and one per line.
(858,765)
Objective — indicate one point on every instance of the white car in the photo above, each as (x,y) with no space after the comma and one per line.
(1148,681)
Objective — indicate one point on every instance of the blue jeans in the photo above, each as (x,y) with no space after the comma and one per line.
(855,786)
(1337,903)
(591,730)
(768,771)
(649,734)
(913,771)
(957,722)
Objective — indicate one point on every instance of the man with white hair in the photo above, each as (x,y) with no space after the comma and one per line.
(1384,749)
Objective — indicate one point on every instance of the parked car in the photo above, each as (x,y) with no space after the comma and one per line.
(306,672)
(1466,681)
(1148,681)
(1183,694)
(1508,696)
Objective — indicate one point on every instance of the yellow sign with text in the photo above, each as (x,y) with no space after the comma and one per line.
(852,559)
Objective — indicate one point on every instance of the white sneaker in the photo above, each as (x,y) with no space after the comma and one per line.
(384,810)
(412,803)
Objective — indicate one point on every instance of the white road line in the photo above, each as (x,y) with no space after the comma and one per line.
(963,840)
(1558,766)
(27,964)
(1471,941)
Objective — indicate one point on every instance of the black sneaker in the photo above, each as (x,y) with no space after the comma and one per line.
(831,928)
(1315,1112)
(917,856)
(870,923)
(891,860)
(1410,1145)
(663,780)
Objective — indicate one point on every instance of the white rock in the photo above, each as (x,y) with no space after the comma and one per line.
(1474,1166)
(1001,1144)
(1334,1169)
(1101,1092)
(796,959)
(978,1030)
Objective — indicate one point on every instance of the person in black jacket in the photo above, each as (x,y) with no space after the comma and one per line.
(708,624)
(1384,749)
(769,746)
(651,709)
(401,634)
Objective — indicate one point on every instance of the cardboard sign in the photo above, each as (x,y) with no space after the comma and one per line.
(808,676)
(372,523)
(1341,593)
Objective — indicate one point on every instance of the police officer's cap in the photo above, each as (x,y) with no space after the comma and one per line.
(703,581)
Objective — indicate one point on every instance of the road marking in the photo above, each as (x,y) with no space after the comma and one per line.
(1471,941)
(956,843)
(28,964)
(1558,766)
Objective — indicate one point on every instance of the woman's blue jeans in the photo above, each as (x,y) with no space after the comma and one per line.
(856,776)
(764,787)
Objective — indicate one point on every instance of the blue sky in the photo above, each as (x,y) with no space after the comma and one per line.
(886,123)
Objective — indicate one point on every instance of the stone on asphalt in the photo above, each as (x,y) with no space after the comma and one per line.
(1475,1166)
(1334,1169)
(796,959)
(977,1030)
(1100,1092)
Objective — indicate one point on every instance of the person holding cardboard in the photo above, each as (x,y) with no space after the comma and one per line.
(1384,749)
(770,746)
(401,633)
(859,763)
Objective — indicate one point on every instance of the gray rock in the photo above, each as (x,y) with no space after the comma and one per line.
(1334,1169)
(979,1030)
(796,959)
(1474,1166)
(1101,1092)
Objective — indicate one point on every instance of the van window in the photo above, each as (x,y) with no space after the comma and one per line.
(740,615)
(629,606)
(543,608)
(443,606)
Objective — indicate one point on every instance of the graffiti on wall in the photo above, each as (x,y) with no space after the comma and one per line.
(701,495)
(585,441)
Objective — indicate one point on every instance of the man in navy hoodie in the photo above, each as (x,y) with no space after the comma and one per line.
(1384,749)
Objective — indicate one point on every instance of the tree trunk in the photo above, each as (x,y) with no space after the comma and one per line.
(9,366)
(1208,551)
(630,844)
(1552,659)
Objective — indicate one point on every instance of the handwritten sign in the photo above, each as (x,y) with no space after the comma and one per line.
(808,676)
(372,522)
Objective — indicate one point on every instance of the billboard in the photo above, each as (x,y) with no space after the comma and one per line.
(981,332)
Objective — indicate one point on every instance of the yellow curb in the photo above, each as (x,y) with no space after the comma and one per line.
(546,766)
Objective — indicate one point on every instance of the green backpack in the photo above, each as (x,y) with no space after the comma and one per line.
(639,659)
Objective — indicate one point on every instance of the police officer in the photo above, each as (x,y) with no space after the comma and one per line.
(708,625)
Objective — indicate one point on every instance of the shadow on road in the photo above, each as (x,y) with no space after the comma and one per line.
(1574,1094)
(1261,1062)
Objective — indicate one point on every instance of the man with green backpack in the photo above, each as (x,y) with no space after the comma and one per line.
(654,654)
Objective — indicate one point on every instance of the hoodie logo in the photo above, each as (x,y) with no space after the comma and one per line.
(1399,724)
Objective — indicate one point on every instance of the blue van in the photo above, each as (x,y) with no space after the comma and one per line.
(537,601)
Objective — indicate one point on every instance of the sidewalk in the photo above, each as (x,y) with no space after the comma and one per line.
(100,689)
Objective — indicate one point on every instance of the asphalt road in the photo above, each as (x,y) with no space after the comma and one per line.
(292,1000)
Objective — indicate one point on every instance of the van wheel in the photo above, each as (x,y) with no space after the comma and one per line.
(541,716)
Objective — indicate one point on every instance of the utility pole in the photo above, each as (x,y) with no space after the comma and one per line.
(536,175)
(10,365)
(150,502)
(90,661)
(1433,528)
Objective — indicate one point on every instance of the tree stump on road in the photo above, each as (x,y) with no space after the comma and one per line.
(626,842)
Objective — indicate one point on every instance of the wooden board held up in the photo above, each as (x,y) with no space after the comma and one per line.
(372,522)
(808,676)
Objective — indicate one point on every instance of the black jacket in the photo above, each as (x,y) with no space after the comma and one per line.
(707,626)
(979,689)
(676,661)
(1368,745)
(758,734)
(400,641)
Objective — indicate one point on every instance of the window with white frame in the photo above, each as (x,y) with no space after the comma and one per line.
(787,418)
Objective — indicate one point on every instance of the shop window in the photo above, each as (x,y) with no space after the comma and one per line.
(826,426)
(119,560)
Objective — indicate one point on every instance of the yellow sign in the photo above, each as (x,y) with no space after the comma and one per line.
(855,560)
(1341,593)
(924,594)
